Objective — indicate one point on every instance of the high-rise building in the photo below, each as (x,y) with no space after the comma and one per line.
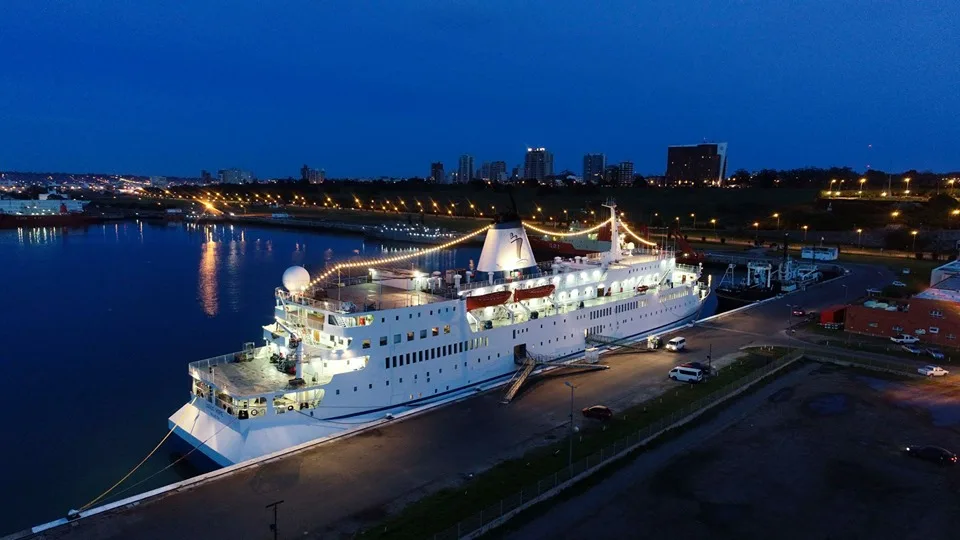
(234,176)
(465,169)
(313,176)
(483,173)
(697,163)
(611,175)
(626,173)
(206,177)
(498,171)
(436,173)
(593,167)
(516,174)
(538,164)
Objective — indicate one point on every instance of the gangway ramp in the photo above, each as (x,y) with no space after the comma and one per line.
(531,362)
(626,343)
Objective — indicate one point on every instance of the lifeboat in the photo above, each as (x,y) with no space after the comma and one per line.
(487,300)
(534,292)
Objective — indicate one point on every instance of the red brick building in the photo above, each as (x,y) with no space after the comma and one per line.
(933,315)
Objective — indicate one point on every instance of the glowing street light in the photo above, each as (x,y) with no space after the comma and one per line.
(713,221)
(895,213)
(777,215)
(804,233)
(906,181)
(694,216)
(914,235)
(859,237)
(756,231)
(862,182)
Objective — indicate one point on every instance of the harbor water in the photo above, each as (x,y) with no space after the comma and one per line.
(99,325)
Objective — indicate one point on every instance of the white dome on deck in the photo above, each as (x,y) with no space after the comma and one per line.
(296,279)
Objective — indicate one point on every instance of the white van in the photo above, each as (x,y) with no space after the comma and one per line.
(686,374)
(677,344)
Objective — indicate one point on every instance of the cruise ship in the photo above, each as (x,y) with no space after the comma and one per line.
(342,354)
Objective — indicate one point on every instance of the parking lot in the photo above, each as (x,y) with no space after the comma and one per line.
(820,458)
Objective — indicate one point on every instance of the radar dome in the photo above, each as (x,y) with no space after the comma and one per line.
(296,279)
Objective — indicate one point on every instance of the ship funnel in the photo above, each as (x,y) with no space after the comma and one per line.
(506,248)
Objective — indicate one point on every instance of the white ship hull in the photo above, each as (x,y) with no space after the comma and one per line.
(419,342)
(358,398)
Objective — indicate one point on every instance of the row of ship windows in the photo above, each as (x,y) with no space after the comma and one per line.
(435,352)
(397,338)
(419,314)
(419,394)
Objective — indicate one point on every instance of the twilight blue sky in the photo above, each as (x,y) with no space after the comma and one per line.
(383,88)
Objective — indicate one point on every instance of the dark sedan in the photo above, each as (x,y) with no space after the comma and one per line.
(934,454)
(598,412)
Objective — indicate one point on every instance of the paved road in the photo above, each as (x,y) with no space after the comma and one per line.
(566,519)
(336,487)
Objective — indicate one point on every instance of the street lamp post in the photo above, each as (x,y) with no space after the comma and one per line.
(914,235)
(570,450)
(906,190)
(804,233)
(862,182)
(694,216)
(859,237)
(844,294)
(756,231)
(714,223)
(777,215)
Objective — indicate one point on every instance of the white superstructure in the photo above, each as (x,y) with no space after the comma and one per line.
(370,349)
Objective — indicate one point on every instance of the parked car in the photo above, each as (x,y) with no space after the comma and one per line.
(912,349)
(933,454)
(935,353)
(932,371)
(904,338)
(598,412)
(687,374)
(799,312)
(899,283)
(677,344)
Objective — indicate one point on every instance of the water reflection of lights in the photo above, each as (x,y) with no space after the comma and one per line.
(207,286)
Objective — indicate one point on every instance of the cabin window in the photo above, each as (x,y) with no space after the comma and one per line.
(394,361)
(420,355)
(423,334)
(365,344)
(387,363)
(409,336)
(396,338)
(388,383)
(934,329)
(446,329)
(370,386)
(408,359)
(354,388)
(383,341)
(436,331)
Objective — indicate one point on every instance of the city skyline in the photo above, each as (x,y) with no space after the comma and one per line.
(200,88)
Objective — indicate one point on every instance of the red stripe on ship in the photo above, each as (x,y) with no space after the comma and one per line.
(487,300)
(535,292)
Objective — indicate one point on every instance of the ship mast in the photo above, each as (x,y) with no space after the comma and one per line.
(614,254)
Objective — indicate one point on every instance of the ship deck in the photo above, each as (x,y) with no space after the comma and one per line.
(255,377)
(368,296)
